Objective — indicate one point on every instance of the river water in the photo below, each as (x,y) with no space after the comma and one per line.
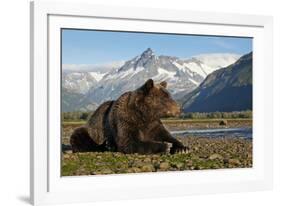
(244,133)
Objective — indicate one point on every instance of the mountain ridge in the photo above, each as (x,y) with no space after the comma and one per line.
(182,76)
(226,89)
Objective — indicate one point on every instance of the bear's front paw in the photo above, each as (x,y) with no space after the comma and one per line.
(179,149)
(168,149)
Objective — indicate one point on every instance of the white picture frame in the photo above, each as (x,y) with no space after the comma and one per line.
(47,186)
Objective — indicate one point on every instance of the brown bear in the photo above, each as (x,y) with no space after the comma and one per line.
(131,124)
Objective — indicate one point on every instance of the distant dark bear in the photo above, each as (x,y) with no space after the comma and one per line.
(131,124)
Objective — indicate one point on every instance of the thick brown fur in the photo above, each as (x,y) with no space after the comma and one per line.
(131,124)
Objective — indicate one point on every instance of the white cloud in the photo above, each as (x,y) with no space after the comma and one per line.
(92,67)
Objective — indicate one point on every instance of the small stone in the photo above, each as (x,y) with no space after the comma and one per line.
(189,163)
(107,171)
(235,162)
(215,166)
(155,161)
(136,169)
(129,170)
(117,154)
(164,165)
(215,156)
(147,160)
(68,151)
(249,155)
(139,164)
(66,156)
(223,122)
(147,168)
(155,156)
(179,165)
(96,173)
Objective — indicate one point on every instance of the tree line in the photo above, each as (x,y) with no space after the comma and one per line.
(83,116)
(219,115)
(75,116)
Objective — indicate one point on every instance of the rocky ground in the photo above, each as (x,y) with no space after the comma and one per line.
(205,153)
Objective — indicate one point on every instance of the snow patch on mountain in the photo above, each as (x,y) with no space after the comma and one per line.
(184,68)
(194,67)
(78,82)
(218,60)
(205,64)
(99,84)
(163,75)
(97,75)
(115,74)
(194,82)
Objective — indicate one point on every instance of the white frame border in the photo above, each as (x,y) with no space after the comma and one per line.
(40,11)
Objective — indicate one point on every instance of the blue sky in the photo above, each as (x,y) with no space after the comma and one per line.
(99,47)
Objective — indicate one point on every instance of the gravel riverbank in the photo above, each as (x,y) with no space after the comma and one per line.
(205,153)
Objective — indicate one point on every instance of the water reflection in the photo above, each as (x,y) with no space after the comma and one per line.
(245,133)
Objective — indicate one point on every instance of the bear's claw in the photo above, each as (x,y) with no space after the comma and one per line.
(179,150)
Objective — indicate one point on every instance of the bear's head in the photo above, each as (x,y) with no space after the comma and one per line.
(155,100)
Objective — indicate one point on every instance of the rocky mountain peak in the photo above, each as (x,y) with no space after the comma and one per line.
(148,52)
(147,57)
(183,76)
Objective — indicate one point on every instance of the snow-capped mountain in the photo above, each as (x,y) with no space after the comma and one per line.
(137,70)
(227,89)
(183,76)
(207,63)
(79,78)
(79,82)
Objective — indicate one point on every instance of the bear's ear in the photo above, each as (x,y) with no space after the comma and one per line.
(163,84)
(147,86)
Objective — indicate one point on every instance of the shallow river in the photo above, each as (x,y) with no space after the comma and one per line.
(245,133)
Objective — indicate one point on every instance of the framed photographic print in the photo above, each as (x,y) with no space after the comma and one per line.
(163,104)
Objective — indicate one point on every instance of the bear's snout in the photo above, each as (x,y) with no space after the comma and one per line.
(174,111)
